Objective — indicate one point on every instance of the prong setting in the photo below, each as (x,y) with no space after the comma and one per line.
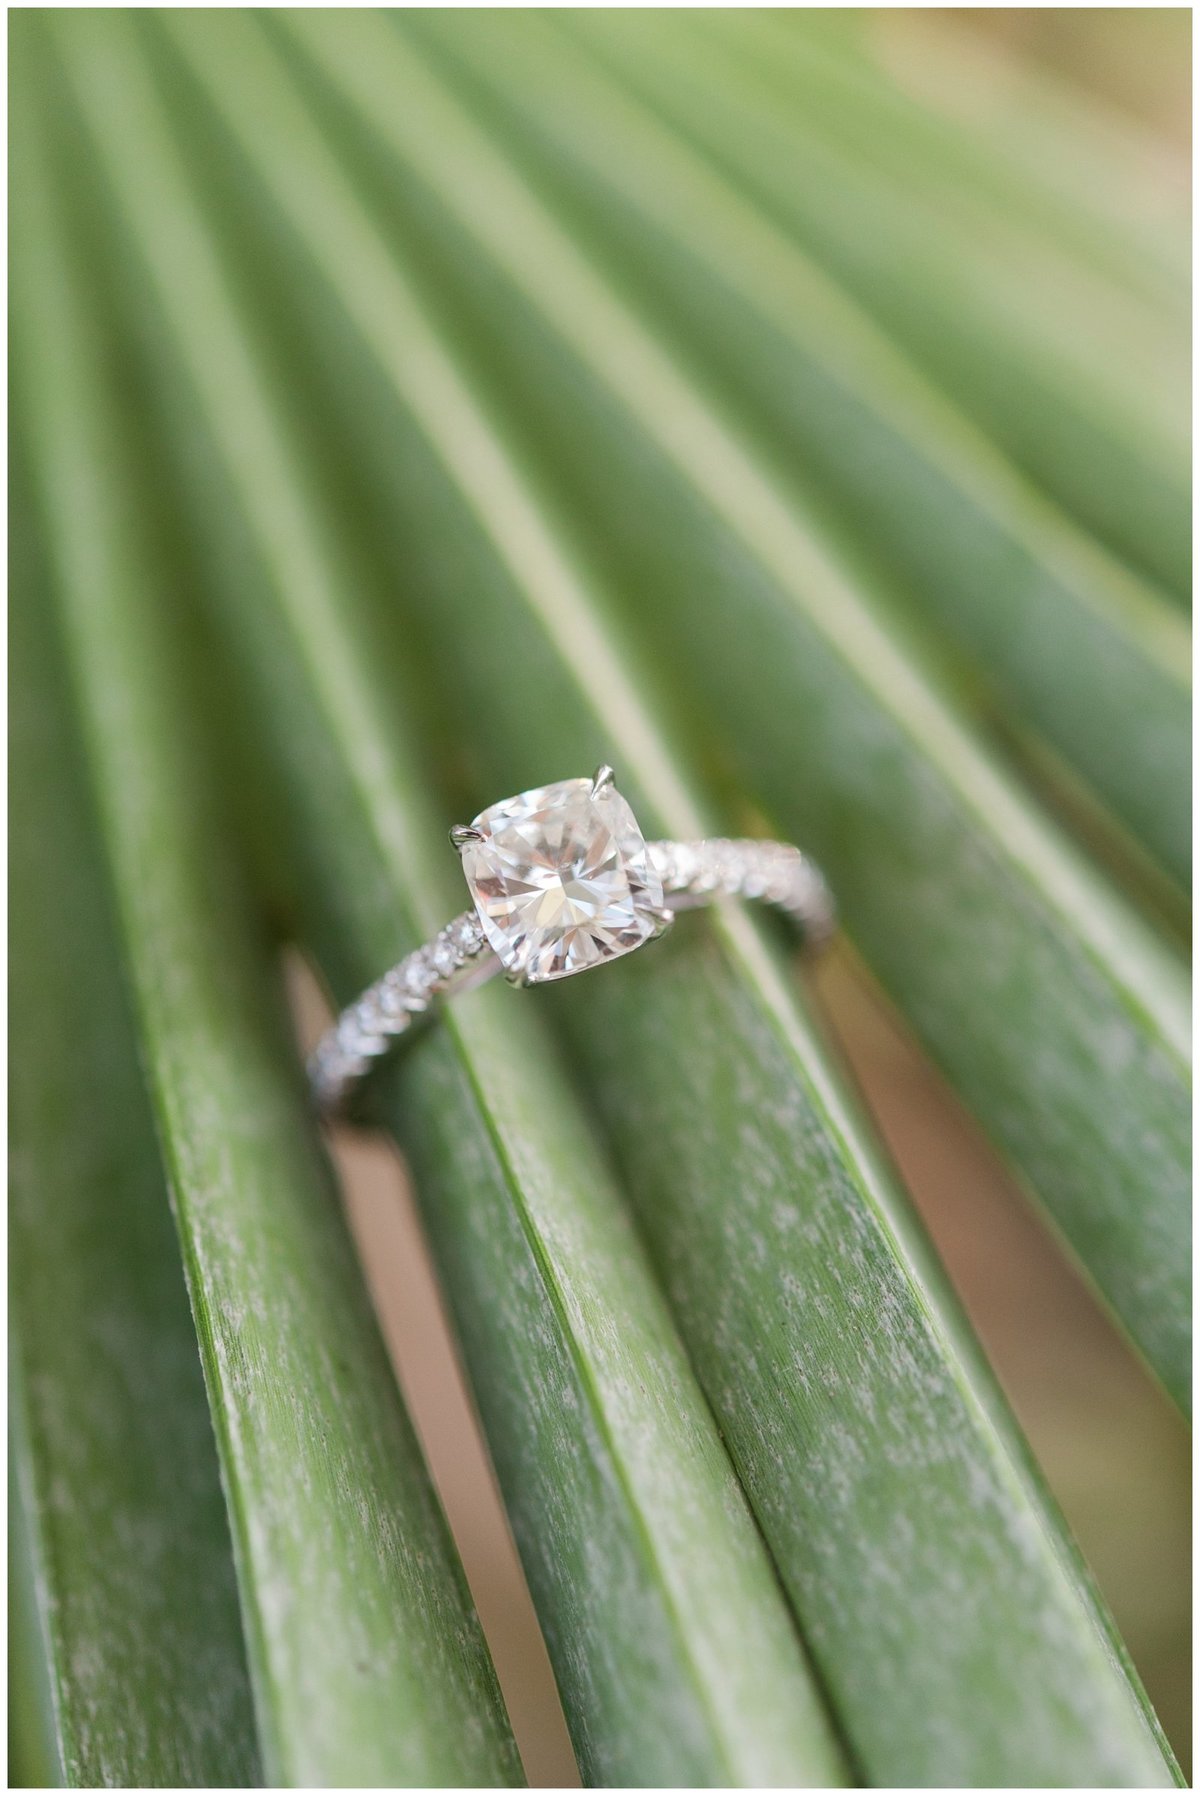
(462,833)
(663,919)
(562,879)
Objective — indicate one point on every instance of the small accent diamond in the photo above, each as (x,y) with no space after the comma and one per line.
(466,933)
(419,975)
(444,957)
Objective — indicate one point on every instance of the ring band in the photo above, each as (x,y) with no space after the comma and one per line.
(562,881)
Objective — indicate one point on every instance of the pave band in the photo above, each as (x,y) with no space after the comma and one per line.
(461,957)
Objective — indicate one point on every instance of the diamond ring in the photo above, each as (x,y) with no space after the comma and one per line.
(562,880)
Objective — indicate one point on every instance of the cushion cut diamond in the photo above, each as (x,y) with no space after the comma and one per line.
(561,879)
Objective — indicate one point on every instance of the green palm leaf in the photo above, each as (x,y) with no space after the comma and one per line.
(110,1429)
(335,1531)
(687,1136)
(420,408)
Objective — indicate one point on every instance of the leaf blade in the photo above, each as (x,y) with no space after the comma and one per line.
(133,1632)
(136,1579)
(313,1442)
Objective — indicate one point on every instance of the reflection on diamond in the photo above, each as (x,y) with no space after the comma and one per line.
(561,879)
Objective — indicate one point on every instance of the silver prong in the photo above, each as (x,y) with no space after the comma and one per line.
(462,833)
(664,916)
(602,779)
(518,976)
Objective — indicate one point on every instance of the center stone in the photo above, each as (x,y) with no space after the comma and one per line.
(561,879)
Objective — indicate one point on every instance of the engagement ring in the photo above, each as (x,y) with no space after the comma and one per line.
(562,880)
